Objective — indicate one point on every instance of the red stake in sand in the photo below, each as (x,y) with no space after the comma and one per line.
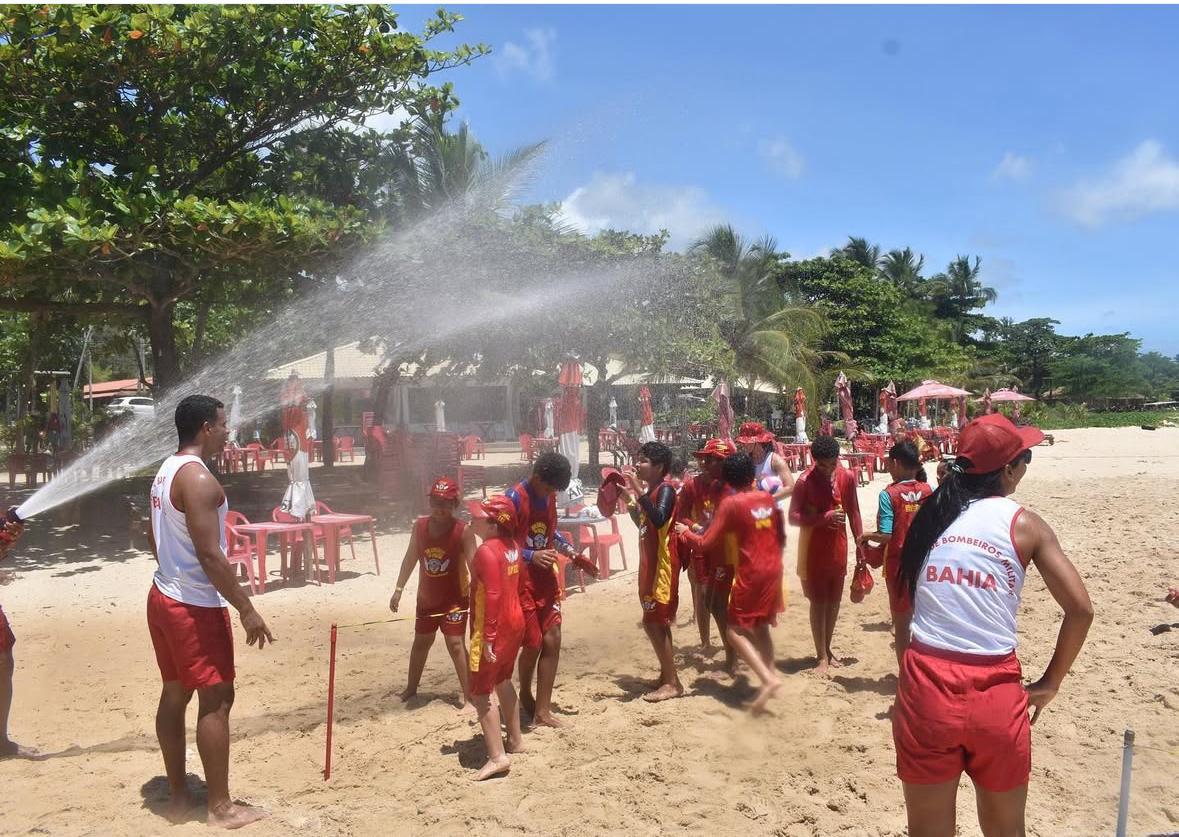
(327,756)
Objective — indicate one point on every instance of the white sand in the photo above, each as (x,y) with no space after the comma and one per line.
(823,764)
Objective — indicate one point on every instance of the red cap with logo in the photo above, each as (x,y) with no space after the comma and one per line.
(444,488)
(719,448)
(499,508)
(990,442)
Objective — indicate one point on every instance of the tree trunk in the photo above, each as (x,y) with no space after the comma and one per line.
(596,407)
(329,419)
(198,338)
(165,367)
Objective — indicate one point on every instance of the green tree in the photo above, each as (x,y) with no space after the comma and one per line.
(903,269)
(152,176)
(772,335)
(1099,366)
(859,251)
(1029,348)
(958,294)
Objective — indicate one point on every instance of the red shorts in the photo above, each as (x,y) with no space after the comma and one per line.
(659,613)
(824,579)
(751,608)
(899,600)
(961,712)
(193,644)
(451,623)
(489,675)
(539,620)
(7,637)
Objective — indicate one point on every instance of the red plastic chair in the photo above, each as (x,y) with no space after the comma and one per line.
(473,448)
(563,562)
(602,541)
(259,454)
(242,554)
(344,448)
(278,451)
(322,508)
(293,542)
(527,452)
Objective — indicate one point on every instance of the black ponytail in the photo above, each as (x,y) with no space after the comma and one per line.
(951,498)
(921,476)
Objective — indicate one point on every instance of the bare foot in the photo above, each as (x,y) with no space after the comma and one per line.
(494,767)
(10,749)
(548,719)
(665,692)
(176,811)
(514,747)
(467,710)
(528,705)
(407,694)
(764,694)
(821,667)
(834,661)
(233,815)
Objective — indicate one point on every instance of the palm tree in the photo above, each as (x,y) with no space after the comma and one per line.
(958,293)
(903,269)
(772,336)
(859,250)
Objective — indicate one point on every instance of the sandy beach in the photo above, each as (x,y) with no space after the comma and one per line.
(86,688)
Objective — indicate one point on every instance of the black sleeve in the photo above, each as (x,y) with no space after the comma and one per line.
(662,509)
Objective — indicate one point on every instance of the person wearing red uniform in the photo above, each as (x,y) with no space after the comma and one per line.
(962,705)
(535,500)
(497,631)
(749,528)
(442,546)
(823,504)
(899,503)
(10,530)
(653,510)
(695,507)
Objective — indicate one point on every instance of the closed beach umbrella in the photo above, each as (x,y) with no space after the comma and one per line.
(571,416)
(235,414)
(647,422)
(724,410)
(440,416)
(843,392)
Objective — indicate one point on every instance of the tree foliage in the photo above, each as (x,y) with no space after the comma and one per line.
(153,154)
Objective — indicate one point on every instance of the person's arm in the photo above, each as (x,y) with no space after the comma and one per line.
(470,544)
(487,573)
(200,496)
(884,518)
(782,470)
(1034,537)
(851,504)
(716,531)
(407,566)
(659,510)
(799,516)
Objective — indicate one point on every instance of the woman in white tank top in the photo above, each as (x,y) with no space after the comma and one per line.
(961,703)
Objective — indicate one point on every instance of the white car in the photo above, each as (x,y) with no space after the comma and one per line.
(137,405)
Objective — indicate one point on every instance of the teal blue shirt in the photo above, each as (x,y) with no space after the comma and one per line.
(884,512)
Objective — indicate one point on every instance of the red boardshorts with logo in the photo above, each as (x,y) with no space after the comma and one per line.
(7,637)
(539,618)
(193,644)
(489,675)
(452,623)
(824,579)
(961,712)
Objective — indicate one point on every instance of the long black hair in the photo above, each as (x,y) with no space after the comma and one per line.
(906,453)
(951,498)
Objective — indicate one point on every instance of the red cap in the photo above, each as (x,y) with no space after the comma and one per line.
(499,508)
(990,442)
(719,448)
(608,494)
(754,432)
(444,488)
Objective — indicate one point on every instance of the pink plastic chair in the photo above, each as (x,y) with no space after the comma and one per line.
(242,554)
(527,452)
(322,508)
(344,447)
(602,541)
(563,562)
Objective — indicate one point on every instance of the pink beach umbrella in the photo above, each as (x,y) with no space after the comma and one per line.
(843,392)
(570,415)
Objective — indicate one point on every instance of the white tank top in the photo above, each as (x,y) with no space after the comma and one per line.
(969,589)
(180,575)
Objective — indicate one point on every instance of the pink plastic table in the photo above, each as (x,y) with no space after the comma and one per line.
(262,531)
(332,525)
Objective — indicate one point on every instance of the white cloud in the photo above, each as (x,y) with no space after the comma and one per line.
(534,58)
(618,201)
(1144,181)
(389,120)
(781,157)
(1012,167)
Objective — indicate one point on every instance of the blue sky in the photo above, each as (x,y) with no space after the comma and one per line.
(1043,139)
